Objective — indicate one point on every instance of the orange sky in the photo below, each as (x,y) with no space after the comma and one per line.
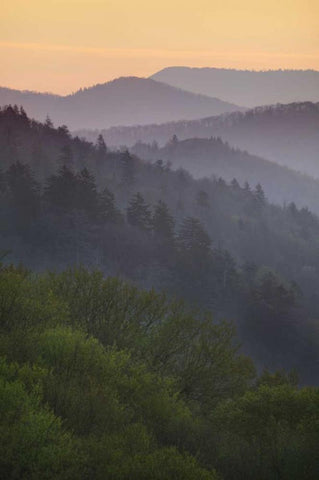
(61,45)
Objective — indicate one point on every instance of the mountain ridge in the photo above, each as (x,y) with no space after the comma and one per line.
(126,100)
(211,157)
(246,87)
(287,134)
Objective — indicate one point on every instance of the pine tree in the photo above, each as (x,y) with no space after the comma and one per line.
(235,185)
(163,222)
(87,197)
(108,210)
(128,169)
(193,238)
(61,189)
(66,156)
(193,262)
(138,213)
(101,147)
(3,183)
(202,199)
(24,192)
(48,124)
(247,187)
(259,195)
(293,209)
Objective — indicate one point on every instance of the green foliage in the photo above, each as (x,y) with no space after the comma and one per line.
(276,426)
(110,382)
(33,443)
(164,334)
(26,301)
(125,417)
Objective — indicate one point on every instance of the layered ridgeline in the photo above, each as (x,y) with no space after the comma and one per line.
(212,157)
(220,246)
(100,380)
(245,87)
(124,101)
(286,134)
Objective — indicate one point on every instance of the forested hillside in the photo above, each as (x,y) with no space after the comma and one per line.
(207,157)
(219,246)
(285,134)
(102,380)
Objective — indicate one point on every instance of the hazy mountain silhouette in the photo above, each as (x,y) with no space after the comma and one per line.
(124,101)
(286,134)
(204,157)
(245,87)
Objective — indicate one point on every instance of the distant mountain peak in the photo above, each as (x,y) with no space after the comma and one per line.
(245,87)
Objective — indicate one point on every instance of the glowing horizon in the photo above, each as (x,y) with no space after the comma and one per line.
(60,46)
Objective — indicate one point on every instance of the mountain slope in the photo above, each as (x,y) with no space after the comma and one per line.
(286,134)
(124,101)
(206,157)
(245,87)
(120,223)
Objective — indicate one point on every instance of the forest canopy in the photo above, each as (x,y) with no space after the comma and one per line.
(102,380)
(152,326)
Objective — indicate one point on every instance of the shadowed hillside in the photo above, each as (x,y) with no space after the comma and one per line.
(212,157)
(286,134)
(220,246)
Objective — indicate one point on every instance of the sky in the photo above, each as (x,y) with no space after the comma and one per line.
(61,45)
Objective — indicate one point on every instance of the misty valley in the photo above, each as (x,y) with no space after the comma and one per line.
(159,278)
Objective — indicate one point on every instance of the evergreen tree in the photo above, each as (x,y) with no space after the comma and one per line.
(24,192)
(235,185)
(109,211)
(66,156)
(64,132)
(193,238)
(202,199)
(39,161)
(193,262)
(138,213)
(101,147)
(163,222)
(259,195)
(87,197)
(3,183)
(61,189)
(293,209)
(48,124)
(247,187)
(128,169)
